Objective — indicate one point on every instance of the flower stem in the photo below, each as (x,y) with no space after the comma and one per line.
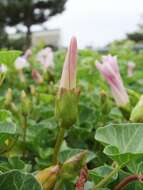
(127,180)
(58,145)
(59,185)
(107,177)
(24,133)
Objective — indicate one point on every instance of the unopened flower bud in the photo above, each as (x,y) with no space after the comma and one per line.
(13,107)
(46,58)
(66,109)
(8,96)
(37,76)
(131,66)
(21,76)
(47,177)
(137,112)
(110,70)
(71,168)
(25,103)
(33,90)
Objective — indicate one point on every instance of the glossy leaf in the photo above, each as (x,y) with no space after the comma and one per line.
(16,180)
(8,57)
(123,141)
(6,129)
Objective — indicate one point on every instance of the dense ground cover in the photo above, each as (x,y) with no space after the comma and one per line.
(102,148)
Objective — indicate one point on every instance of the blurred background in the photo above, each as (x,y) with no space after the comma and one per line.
(96,24)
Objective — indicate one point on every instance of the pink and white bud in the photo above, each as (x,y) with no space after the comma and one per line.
(27,53)
(110,70)
(131,66)
(21,62)
(37,76)
(68,79)
(46,58)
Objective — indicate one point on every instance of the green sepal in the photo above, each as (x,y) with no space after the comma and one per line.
(66,108)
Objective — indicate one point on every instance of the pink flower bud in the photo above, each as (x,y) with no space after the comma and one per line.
(110,70)
(37,76)
(68,79)
(131,67)
(27,53)
(46,58)
(22,61)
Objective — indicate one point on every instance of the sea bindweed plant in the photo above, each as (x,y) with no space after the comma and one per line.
(47,147)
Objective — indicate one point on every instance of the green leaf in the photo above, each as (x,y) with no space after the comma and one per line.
(16,180)
(6,129)
(16,163)
(8,57)
(136,166)
(5,116)
(124,141)
(99,173)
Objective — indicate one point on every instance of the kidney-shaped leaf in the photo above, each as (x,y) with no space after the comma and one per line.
(124,141)
(16,180)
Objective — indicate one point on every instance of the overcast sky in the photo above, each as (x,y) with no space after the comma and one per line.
(97,22)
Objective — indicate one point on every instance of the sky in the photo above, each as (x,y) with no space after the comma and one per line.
(97,22)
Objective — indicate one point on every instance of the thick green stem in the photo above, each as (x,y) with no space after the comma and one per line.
(106,178)
(58,145)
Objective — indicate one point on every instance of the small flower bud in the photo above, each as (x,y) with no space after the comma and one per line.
(21,76)
(8,96)
(131,66)
(25,103)
(33,90)
(37,76)
(71,168)
(137,112)
(47,177)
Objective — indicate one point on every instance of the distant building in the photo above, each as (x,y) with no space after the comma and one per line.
(47,37)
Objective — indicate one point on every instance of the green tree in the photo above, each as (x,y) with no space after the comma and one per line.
(136,36)
(29,12)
